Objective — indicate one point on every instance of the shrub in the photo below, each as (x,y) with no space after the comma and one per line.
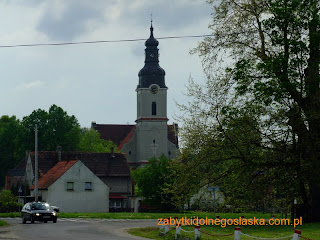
(8,202)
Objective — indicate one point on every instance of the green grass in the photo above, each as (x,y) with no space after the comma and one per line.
(162,215)
(131,215)
(11,214)
(309,230)
(3,223)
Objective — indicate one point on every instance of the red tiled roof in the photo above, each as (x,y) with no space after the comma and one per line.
(106,165)
(54,174)
(127,138)
(113,132)
(122,134)
(46,161)
(101,164)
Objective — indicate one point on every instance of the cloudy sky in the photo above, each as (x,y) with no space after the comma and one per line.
(94,82)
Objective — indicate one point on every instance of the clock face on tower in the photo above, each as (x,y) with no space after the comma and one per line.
(154,89)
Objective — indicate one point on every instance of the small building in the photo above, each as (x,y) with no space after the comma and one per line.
(74,188)
(111,168)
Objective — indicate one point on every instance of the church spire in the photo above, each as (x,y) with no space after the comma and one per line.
(151,41)
(151,73)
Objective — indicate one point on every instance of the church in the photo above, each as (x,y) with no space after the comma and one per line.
(151,136)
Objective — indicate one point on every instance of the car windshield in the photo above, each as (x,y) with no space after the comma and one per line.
(40,206)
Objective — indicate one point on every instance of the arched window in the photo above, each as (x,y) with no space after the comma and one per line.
(154,108)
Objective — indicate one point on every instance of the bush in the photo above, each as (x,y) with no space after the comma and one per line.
(8,202)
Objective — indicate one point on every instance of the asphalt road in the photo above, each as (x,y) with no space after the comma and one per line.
(79,229)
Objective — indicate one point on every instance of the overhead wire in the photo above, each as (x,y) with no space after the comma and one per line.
(98,41)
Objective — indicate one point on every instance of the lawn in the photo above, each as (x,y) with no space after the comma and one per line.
(131,215)
(309,230)
(11,214)
(3,223)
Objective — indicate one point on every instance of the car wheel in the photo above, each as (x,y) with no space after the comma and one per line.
(24,220)
(32,219)
(45,221)
(55,221)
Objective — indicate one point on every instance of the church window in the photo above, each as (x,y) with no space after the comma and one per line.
(169,153)
(154,108)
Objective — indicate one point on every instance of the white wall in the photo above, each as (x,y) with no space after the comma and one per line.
(79,200)
(144,102)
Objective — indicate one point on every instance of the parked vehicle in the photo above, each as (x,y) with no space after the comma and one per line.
(54,208)
(38,211)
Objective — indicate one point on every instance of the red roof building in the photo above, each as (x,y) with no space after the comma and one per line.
(54,174)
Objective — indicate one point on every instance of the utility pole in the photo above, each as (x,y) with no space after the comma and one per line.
(36,164)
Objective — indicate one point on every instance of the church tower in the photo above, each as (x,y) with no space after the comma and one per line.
(151,136)
(151,128)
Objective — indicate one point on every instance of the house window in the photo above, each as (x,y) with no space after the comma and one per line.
(154,108)
(70,186)
(88,186)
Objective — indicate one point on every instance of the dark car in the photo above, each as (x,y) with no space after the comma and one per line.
(38,211)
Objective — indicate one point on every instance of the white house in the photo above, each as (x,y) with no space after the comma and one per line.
(73,187)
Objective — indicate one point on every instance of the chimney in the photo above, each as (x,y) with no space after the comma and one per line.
(58,151)
(94,125)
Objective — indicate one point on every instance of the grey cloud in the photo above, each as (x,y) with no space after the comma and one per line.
(170,15)
(72,23)
(23,2)
(138,49)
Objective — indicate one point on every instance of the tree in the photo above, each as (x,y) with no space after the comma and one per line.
(10,144)
(272,77)
(155,183)
(8,202)
(90,141)
(55,128)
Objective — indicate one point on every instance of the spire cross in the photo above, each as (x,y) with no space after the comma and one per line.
(151,28)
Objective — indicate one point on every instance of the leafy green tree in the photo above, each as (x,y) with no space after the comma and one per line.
(55,128)
(8,202)
(262,65)
(11,150)
(91,142)
(155,183)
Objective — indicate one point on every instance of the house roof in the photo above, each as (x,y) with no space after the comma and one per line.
(19,169)
(127,138)
(114,132)
(46,161)
(122,134)
(101,164)
(54,174)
